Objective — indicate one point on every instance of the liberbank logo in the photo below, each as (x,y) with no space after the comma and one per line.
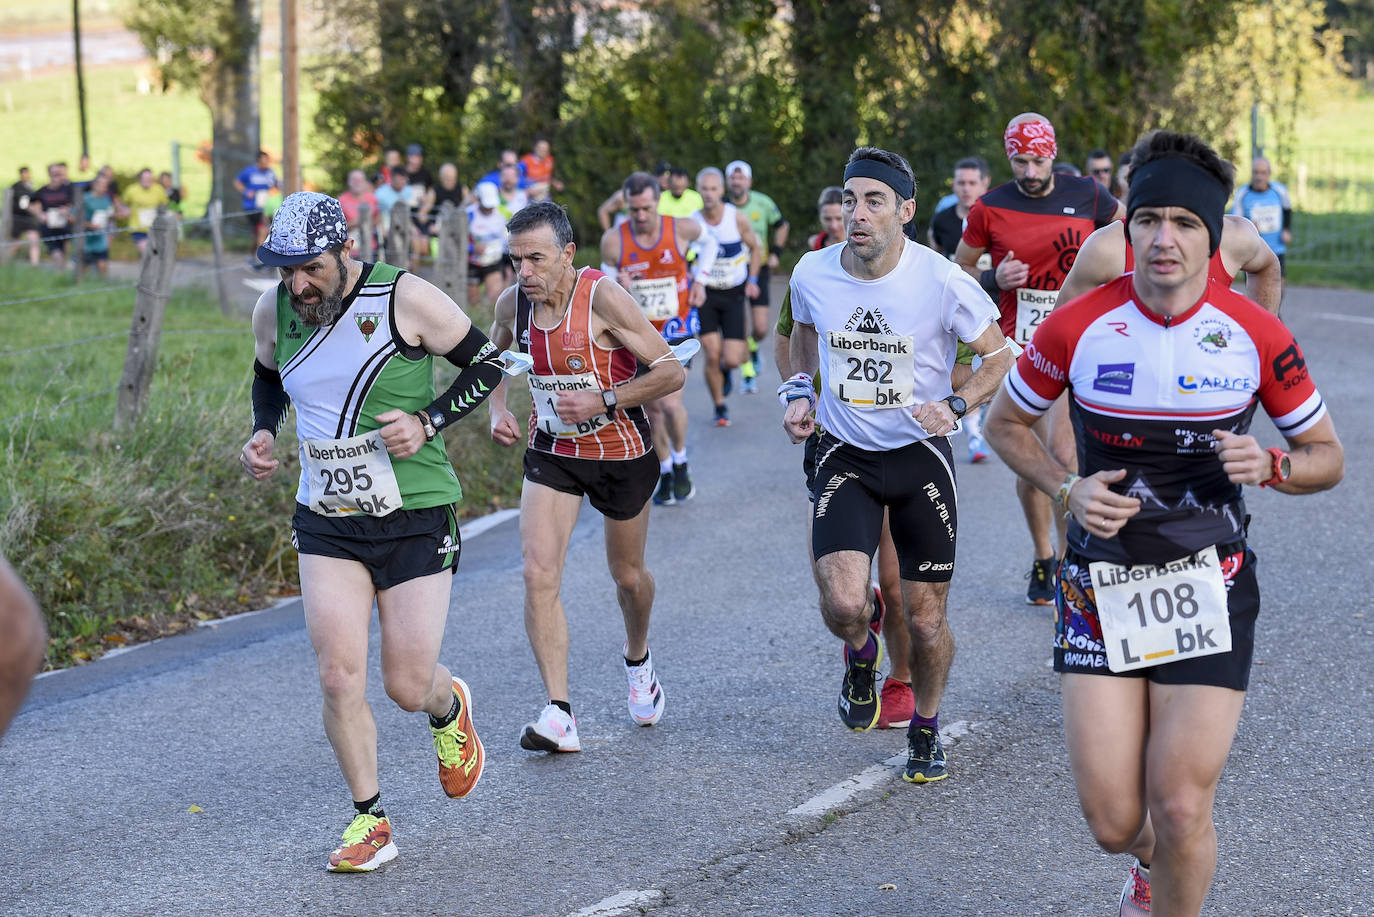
(1114,377)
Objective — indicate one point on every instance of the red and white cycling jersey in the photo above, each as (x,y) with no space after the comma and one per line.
(1146,394)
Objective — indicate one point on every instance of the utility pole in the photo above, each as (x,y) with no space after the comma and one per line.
(80,77)
(290,133)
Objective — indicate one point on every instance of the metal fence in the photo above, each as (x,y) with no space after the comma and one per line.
(1333,205)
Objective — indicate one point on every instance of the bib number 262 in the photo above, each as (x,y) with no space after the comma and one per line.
(869,370)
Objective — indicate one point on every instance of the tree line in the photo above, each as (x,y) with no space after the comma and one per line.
(789,85)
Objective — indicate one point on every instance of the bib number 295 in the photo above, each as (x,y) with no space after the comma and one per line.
(340,482)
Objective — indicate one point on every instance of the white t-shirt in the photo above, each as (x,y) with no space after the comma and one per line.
(886,345)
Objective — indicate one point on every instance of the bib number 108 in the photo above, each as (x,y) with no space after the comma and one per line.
(340,482)
(1165,603)
(869,370)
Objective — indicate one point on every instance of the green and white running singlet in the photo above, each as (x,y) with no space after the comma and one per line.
(340,377)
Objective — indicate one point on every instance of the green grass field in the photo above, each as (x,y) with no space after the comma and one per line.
(127,536)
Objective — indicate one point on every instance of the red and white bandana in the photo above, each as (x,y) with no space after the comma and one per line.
(1034,138)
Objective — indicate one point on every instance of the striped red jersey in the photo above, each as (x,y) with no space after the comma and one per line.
(1045,232)
(567,358)
(1146,394)
(657,276)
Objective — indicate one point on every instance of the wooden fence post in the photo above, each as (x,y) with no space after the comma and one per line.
(215,213)
(452,267)
(7,247)
(154,291)
(77,230)
(398,235)
(367,250)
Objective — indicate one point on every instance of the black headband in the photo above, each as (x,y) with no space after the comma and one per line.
(893,178)
(1174,182)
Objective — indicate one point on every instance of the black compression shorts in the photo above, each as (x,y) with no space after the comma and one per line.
(914,483)
(723,311)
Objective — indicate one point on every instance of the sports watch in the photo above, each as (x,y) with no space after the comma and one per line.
(608,399)
(956,404)
(1282,467)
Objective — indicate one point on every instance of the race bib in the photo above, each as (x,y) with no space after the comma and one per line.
(54,218)
(349,476)
(544,392)
(260,199)
(146,217)
(1152,615)
(728,272)
(657,297)
(101,219)
(1031,308)
(489,252)
(871,371)
(24,202)
(1268,218)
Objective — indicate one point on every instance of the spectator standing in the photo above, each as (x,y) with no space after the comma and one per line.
(1266,204)
(538,166)
(416,172)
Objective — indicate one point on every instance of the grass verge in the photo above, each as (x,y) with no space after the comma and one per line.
(125,537)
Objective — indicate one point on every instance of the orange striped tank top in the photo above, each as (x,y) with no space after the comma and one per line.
(566,359)
(657,278)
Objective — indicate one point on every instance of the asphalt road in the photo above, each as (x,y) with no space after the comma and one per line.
(749,797)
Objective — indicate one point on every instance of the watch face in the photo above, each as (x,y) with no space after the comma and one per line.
(957,405)
(1285,468)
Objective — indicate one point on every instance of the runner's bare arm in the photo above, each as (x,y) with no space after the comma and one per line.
(610,257)
(1243,249)
(746,233)
(966,256)
(504,427)
(1100,259)
(804,355)
(21,654)
(997,361)
(605,214)
(689,231)
(1316,456)
(269,398)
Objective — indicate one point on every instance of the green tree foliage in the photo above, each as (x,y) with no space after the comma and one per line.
(210,46)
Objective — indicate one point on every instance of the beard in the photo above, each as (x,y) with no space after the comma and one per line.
(327,309)
(1032,187)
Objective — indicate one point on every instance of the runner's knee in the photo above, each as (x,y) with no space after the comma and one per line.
(1114,825)
(1180,812)
(409,690)
(630,576)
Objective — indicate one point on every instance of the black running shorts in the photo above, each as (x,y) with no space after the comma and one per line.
(1078,633)
(915,484)
(617,490)
(724,311)
(765,280)
(402,546)
(478,273)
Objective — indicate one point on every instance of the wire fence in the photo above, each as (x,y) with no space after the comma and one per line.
(1332,191)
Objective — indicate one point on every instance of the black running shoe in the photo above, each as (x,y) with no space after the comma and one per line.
(1040,591)
(664,495)
(683,488)
(925,757)
(860,701)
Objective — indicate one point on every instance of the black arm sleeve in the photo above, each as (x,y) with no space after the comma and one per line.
(988,281)
(1288,218)
(479,372)
(270,400)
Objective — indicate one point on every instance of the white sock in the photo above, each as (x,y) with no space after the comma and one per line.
(680,458)
(665,467)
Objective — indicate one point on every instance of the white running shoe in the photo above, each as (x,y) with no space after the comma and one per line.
(553,731)
(646,694)
(1135,897)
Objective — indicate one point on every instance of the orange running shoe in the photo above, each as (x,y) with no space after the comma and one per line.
(458,748)
(366,845)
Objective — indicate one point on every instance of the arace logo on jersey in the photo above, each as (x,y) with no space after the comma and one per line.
(1201,385)
(1115,377)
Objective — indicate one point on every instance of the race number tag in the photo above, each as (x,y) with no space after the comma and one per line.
(726,272)
(54,218)
(260,199)
(349,476)
(146,217)
(871,371)
(101,219)
(1167,613)
(1268,218)
(657,297)
(544,391)
(1031,308)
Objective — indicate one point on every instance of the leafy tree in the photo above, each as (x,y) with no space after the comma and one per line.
(210,46)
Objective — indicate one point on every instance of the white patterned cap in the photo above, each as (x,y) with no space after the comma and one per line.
(306,225)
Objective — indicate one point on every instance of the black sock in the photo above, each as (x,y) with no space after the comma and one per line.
(449,717)
(629,661)
(371,806)
(562,705)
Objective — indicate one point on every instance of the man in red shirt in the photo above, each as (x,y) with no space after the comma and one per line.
(1032,226)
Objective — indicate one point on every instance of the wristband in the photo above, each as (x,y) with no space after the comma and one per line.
(426,425)
(775,250)
(1062,497)
(797,388)
(754,281)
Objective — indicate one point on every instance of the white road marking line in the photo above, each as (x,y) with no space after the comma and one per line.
(619,903)
(1342,317)
(478,526)
(869,777)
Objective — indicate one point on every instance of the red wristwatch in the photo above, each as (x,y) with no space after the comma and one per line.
(1282,467)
